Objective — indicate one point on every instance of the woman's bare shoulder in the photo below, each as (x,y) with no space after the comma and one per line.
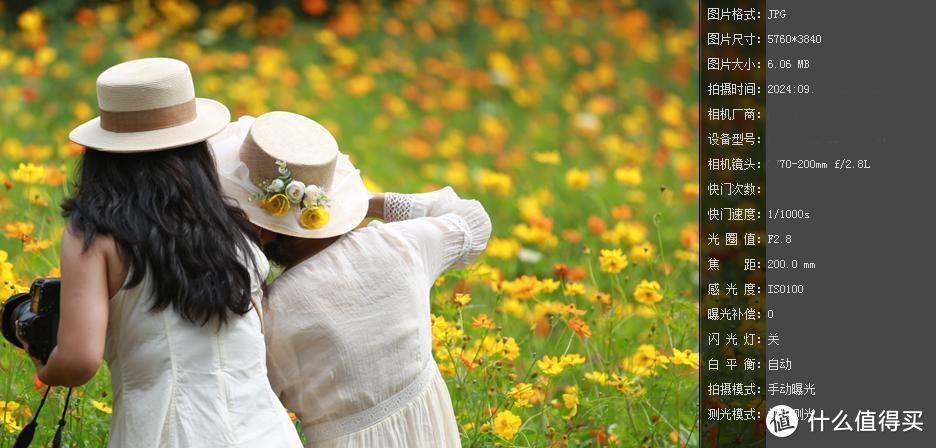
(103,249)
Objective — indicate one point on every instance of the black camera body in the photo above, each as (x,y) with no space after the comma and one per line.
(34,317)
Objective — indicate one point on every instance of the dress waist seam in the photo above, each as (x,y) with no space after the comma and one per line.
(320,432)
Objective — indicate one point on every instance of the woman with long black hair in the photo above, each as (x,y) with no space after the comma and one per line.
(160,275)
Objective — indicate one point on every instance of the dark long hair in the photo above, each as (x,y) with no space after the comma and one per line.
(282,249)
(167,215)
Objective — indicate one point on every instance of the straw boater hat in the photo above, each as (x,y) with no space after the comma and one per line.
(287,174)
(149,105)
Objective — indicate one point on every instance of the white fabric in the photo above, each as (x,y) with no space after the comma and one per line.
(348,329)
(179,385)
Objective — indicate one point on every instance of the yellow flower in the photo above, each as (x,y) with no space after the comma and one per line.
(577,179)
(535,234)
(597,377)
(102,406)
(547,158)
(690,191)
(572,359)
(573,289)
(521,395)
(523,287)
(510,349)
(625,385)
(506,248)
(7,407)
(570,400)
(276,205)
(30,20)
(503,71)
(648,292)
(642,252)
(444,331)
(462,299)
(612,261)
(628,176)
(515,308)
(645,361)
(686,357)
(28,173)
(550,365)
(498,183)
(531,206)
(313,218)
(549,285)
(506,424)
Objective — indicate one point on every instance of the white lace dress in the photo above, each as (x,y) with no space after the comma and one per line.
(348,330)
(179,385)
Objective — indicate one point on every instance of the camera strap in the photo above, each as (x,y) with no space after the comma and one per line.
(57,440)
(25,437)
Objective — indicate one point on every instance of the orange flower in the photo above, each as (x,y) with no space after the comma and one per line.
(579,327)
(19,230)
(360,85)
(483,321)
(314,7)
(347,21)
(34,245)
(596,225)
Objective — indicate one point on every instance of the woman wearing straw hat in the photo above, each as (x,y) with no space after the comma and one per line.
(347,324)
(158,275)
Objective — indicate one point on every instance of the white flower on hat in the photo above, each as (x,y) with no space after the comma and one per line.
(295,190)
(275,186)
(315,197)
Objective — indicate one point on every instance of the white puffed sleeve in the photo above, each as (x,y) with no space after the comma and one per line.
(449,231)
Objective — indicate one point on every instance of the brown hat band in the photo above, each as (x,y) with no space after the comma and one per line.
(148,120)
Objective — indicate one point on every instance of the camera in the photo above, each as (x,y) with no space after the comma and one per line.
(33,317)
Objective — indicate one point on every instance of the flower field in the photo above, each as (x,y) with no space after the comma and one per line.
(573,122)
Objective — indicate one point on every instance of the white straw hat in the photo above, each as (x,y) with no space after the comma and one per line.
(149,105)
(281,156)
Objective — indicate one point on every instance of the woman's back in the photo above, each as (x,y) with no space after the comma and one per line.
(178,384)
(355,320)
(350,343)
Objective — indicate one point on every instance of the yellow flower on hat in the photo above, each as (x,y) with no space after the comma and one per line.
(313,218)
(276,205)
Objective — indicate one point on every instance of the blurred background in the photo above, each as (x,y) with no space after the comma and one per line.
(574,122)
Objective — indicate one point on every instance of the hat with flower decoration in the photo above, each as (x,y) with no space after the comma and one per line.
(149,105)
(287,173)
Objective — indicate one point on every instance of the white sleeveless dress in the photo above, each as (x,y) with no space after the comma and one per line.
(348,330)
(181,385)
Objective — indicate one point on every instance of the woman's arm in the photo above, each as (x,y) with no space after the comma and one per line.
(449,231)
(375,208)
(84,312)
